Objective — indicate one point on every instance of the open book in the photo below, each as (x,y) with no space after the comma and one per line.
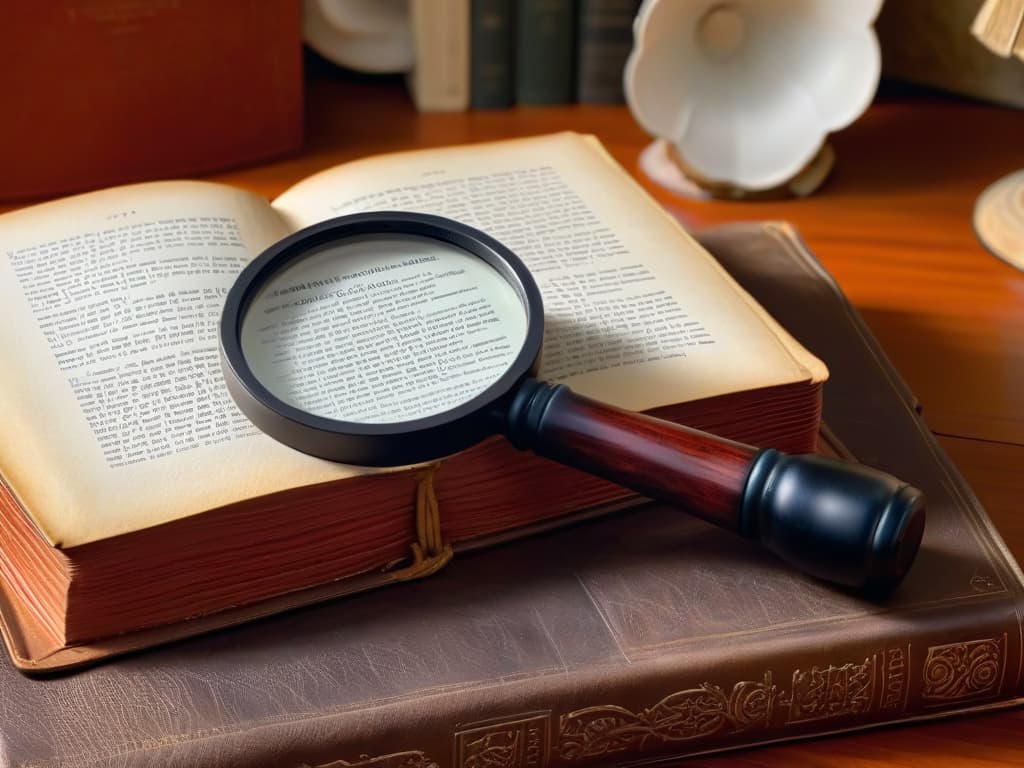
(136,496)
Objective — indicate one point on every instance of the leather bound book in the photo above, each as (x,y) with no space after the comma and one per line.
(605,38)
(492,54)
(545,42)
(640,636)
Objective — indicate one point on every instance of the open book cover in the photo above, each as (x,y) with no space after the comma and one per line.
(138,504)
(642,636)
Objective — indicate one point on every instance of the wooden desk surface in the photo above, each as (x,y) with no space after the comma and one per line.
(893,225)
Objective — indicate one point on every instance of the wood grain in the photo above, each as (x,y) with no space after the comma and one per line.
(684,467)
(893,225)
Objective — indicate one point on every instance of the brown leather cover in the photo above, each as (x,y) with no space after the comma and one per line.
(101,92)
(639,636)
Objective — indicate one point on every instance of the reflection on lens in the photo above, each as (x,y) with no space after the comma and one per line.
(383,329)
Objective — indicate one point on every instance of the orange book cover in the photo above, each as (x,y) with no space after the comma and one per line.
(102,92)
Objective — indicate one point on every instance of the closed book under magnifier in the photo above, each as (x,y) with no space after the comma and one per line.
(391,338)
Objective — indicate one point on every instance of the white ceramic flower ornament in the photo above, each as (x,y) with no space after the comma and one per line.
(746,91)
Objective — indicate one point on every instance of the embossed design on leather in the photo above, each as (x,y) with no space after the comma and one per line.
(895,683)
(396,760)
(681,716)
(522,742)
(822,693)
(963,671)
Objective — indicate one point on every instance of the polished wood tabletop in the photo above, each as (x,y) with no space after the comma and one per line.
(893,224)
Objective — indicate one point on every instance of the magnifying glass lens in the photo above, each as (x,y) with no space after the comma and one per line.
(382,329)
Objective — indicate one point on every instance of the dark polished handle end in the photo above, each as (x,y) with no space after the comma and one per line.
(843,522)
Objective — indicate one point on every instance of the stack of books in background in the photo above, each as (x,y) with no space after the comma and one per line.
(484,54)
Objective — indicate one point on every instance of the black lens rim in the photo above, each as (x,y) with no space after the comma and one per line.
(400,443)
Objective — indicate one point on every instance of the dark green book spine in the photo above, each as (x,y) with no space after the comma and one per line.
(605,40)
(492,54)
(545,51)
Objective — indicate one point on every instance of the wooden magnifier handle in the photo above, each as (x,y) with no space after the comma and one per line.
(839,521)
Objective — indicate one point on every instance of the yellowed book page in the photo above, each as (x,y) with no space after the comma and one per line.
(637,313)
(112,405)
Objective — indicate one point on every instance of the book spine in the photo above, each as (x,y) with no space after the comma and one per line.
(545,37)
(605,39)
(658,707)
(439,81)
(492,51)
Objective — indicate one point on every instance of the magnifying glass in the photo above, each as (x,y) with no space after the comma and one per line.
(393,338)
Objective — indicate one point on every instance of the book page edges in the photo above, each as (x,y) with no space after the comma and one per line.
(33,650)
(254,467)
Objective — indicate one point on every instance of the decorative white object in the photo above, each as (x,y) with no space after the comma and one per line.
(999,210)
(365,35)
(999,218)
(745,92)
